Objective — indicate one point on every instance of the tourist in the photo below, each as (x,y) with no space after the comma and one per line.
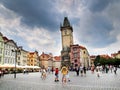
(98,71)
(52,70)
(43,73)
(81,70)
(64,72)
(56,75)
(84,70)
(115,70)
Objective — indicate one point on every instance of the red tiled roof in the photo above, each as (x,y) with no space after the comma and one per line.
(43,55)
(113,55)
(82,47)
(5,38)
(93,56)
(75,45)
(105,56)
(31,53)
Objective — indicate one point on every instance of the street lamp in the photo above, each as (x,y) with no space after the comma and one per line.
(16,51)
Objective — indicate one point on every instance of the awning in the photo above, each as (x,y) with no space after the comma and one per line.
(17,66)
(7,66)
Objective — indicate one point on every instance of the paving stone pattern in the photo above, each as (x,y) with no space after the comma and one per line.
(33,81)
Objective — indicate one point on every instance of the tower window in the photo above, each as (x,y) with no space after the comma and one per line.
(65,32)
(75,55)
(84,52)
(74,49)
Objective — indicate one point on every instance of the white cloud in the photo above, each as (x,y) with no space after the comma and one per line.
(77,9)
(8,21)
(30,38)
(44,40)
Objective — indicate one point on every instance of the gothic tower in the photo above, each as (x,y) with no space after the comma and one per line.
(67,40)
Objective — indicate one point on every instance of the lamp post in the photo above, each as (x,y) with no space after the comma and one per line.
(16,52)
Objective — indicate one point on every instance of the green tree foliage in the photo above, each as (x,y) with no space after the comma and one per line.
(97,60)
(103,61)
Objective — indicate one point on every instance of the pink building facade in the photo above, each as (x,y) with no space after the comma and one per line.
(75,56)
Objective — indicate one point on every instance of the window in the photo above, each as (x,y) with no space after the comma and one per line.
(75,61)
(74,49)
(18,63)
(1,43)
(18,58)
(8,60)
(5,52)
(84,52)
(8,53)
(75,55)
(31,60)
(0,50)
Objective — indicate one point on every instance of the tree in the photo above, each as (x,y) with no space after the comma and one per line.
(97,60)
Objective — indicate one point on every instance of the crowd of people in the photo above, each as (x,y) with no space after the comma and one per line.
(1,73)
(80,71)
(64,71)
(98,69)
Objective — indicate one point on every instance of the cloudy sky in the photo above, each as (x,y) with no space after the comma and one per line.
(35,24)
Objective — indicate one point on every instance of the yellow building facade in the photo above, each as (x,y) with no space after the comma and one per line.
(32,59)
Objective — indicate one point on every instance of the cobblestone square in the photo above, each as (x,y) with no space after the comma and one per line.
(33,81)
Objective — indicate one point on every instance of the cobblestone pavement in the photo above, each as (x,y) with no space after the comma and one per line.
(32,81)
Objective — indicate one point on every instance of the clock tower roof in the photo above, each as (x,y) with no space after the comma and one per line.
(66,22)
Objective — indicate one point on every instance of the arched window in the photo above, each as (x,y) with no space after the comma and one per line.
(75,60)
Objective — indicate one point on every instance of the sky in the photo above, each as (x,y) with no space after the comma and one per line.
(35,24)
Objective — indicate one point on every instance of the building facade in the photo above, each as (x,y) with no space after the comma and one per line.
(79,56)
(75,56)
(22,57)
(116,55)
(33,59)
(85,57)
(9,55)
(92,59)
(45,60)
(1,49)
(67,40)
(57,62)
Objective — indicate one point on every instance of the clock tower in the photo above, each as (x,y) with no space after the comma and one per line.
(67,40)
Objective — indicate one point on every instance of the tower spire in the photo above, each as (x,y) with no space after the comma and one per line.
(66,22)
